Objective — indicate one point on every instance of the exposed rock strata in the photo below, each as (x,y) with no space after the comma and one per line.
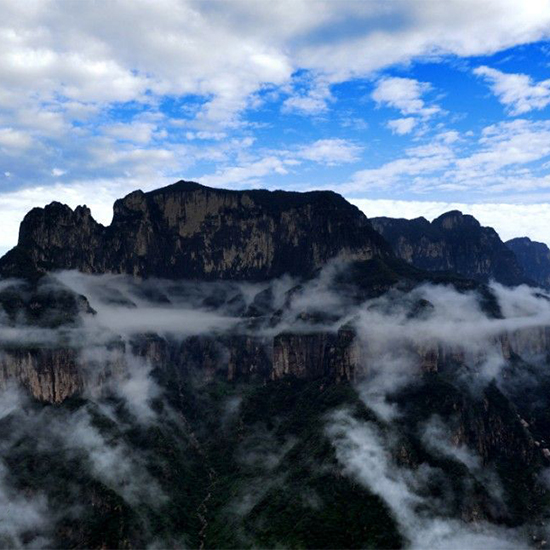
(53,375)
(190,231)
(333,355)
(531,344)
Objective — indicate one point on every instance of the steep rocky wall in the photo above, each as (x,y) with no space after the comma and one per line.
(321,354)
(190,231)
(531,344)
(54,374)
(50,375)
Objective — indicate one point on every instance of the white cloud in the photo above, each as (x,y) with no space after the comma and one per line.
(418,161)
(404,94)
(517,92)
(247,173)
(226,52)
(137,132)
(402,126)
(205,135)
(14,139)
(330,151)
(498,162)
(506,143)
(312,102)
(449,136)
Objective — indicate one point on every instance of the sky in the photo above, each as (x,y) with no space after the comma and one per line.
(405,107)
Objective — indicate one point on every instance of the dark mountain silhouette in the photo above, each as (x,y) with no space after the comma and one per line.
(187,230)
(533,257)
(452,242)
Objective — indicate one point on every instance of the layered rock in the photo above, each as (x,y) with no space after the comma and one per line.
(50,375)
(190,231)
(530,343)
(452,242)
(534,258)
(53,374)
(317,355)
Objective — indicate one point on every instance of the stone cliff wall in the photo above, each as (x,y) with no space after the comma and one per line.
(54,374)
(190,231)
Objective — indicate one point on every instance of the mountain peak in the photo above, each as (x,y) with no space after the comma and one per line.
(179,186)
(455,218)
(188,230)
(452,242)
(534,258)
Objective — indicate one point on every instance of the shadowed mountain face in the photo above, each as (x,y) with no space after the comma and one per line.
(452,242)
(190,231)
(533,257)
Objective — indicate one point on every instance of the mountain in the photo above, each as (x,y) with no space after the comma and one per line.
(253,369)
(533,257)
(452,242)
(187,230)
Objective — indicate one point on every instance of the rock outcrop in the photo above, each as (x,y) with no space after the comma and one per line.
(534,258)
(50,375)
(452,242)
(53,374)
(56,373)
(190,231)
(317,355)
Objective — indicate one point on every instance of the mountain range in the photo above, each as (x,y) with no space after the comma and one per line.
(251,368)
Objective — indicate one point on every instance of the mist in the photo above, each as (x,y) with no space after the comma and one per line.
(402,336)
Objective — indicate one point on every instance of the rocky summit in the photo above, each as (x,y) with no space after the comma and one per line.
(533,257)
(243,369)
(452,242)
(187,230)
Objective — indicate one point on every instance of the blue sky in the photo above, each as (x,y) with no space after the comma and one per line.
(407,108)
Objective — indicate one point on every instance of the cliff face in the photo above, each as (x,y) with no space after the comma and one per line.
(190,231)
(54,374)
(50,375)
(452,242)
(335,356)
(530,344)
(534,258)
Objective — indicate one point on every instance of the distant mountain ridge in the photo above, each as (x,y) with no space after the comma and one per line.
(534,258)
(453,242)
